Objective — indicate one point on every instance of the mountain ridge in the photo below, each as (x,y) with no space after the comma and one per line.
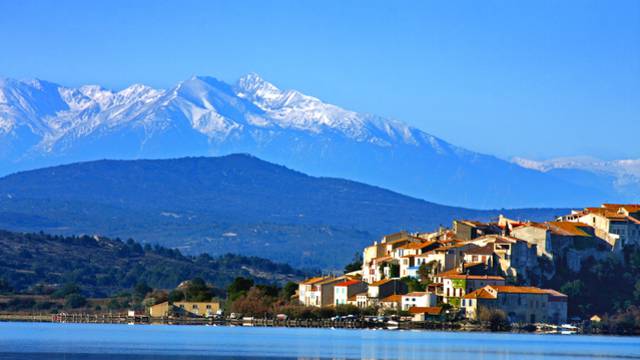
(44,124)
(231,204)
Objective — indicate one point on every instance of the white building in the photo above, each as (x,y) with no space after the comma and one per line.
(418,299)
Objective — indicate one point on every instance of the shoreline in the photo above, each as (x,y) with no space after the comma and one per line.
(123,319)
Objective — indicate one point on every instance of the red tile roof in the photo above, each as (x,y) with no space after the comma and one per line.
(392,298)
(519,289)
(348,283)
(432,310)
(481,293)
(380,282)
(474,277)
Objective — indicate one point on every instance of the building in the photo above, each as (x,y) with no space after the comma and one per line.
(618,224)
(573,241)
(418,299)
(514,257)
(522,304)
(386,287)
(431,313)
(455,287)
(480,254)
(468,230)
(391,302)
(184,308)
(345,290)
(318,291)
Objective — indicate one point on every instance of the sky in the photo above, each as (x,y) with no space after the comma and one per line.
(536,79)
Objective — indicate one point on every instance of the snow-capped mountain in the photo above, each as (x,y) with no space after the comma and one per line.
(42,123)
(621,175)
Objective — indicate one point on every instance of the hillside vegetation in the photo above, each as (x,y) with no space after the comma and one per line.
(103,267)
(232,204)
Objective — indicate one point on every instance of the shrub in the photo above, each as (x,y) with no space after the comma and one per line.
(495,318)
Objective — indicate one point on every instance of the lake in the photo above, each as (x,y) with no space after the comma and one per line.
(100,341)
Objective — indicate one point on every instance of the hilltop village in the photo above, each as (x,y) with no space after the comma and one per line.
(476,269)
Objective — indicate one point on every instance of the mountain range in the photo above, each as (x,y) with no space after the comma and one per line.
(232,204)
(44,124)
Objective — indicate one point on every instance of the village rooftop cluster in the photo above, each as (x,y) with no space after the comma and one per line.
(475,266)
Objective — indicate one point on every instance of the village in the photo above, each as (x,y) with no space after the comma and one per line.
(498,275)
(475,269)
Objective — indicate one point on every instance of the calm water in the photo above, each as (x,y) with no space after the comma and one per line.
(97,342)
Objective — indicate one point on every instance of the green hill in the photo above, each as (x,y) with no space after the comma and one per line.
(102,267)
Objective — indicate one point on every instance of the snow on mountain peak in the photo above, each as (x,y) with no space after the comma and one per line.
(255,88)
(207,105)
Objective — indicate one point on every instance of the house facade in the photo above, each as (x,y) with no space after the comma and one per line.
(418,299)
(522,304)
(185,308)
(345,290)
(318,291)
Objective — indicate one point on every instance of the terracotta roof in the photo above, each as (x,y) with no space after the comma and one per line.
(393,242)
(633,220)
(519,289)
(481,293)
(472,264)
(450,272)
(392,298)
(555,293)
(380,282)
(329,280)
(568,228)
(628,207)
(417,245)
(348,283)
(313,280)
(609,214)
(474,277)
(417,293)
(383,258)
(480,250)
(449,247)
(433,310)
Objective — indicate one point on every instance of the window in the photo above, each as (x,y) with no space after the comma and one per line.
(194,306)
(209,306)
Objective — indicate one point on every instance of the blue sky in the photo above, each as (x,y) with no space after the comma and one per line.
(537,79)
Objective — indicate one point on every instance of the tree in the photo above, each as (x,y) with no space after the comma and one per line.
(4,286)
(67,289)
(495,318)
(288,290)
(238,287)
(198,290)
(175,296)
(141,290)
(394,271)
(73,301)
(254,303)
(354,265)
(413,284)
(347,309)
